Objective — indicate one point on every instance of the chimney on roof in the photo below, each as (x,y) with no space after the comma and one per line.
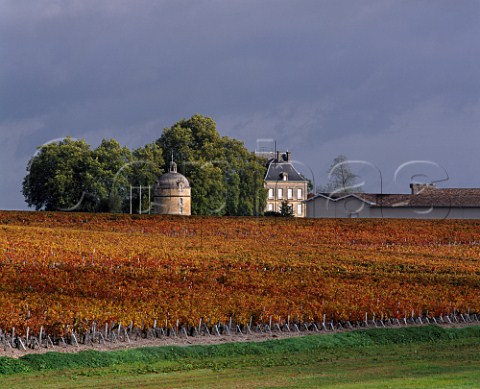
(277,159)
(288,155)
(417,188)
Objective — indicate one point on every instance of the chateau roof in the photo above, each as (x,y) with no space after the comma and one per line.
(276,170)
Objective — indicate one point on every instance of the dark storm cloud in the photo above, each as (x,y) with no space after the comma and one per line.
(375,80)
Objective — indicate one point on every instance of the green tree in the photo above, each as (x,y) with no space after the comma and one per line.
(144,171)
(112,172)
(286,209)
(341,179)
(61,176)
(226,178)
(69,176)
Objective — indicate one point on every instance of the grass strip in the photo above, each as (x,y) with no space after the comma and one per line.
(328,342)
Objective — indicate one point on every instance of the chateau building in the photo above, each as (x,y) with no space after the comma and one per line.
(172,194)
(284,182)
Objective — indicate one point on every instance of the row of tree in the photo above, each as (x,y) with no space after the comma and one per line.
(226,178)
(68,175)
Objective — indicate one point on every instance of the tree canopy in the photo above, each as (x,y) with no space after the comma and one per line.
(226,178)
(70,176)
(341,178)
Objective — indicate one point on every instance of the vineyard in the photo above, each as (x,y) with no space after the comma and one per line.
(62,273)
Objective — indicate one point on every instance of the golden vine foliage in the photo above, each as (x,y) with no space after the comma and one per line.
(71,268)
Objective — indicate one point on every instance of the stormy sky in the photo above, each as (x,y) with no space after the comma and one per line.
(383,82)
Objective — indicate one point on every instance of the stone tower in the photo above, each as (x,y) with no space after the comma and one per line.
(172,193)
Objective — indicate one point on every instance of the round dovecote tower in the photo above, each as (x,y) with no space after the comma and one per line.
(172,194)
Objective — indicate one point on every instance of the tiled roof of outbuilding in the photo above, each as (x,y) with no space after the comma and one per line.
(429,197)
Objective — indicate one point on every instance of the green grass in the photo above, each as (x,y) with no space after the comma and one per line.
(417,357)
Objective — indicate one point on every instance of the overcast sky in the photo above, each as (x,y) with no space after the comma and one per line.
(386,82)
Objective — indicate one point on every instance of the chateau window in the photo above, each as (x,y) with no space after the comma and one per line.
(280,193)
(290,193)
(299,194)
(285,176)
(299,209)
(270,207)
(271,195)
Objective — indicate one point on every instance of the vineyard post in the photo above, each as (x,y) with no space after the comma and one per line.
(127,338)
(40,336)
(74,337)
(49,341)
(28,333)
(20,343)
(239,330)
